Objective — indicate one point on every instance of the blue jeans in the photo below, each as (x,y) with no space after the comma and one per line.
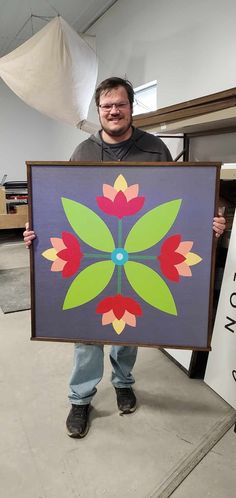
(88,370)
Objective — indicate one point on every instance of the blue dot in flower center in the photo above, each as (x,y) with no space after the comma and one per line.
(119,256)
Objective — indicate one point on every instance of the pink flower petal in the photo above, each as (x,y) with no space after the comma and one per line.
(57,243)
(184,247)
(119,306)
(106,205)
(131,192)
(71,242)
(64,254)
(70,268)
(171,244)
(134,205)
(58,265)
(120,205)
(114,208)
(109,191)
(172,258)
(170,271)
(105,305)
(71,255)
(132,306)
(184,270)
(108,317)
(129,319)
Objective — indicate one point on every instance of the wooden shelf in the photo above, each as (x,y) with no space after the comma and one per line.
(212,112)
(13,220)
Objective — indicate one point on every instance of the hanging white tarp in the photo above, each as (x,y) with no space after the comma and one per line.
(55,72)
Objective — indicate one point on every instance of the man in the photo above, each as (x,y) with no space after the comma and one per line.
(118,140)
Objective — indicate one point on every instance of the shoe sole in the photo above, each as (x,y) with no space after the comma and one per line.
(78,436)
(126,412)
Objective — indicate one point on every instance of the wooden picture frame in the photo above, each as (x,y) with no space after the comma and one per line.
(124,252)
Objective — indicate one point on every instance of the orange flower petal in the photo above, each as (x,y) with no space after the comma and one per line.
(108,317)
(183,270)
(131,192)
(109,191)
(129,319)
(184,247)
(57,243)
(58,265)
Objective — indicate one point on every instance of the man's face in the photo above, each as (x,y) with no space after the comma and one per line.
(116,121)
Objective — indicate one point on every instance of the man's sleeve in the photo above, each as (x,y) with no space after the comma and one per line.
(167,153)
(76,156)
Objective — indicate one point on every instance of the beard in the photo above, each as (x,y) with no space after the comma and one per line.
(118,131)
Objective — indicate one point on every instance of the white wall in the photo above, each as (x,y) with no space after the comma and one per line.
(25,134)
(188,46)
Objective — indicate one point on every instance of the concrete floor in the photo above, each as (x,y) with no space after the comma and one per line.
(141,455)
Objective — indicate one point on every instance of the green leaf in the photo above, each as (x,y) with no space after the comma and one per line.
(88,284)
(88,225)
(152,226)
(150,287)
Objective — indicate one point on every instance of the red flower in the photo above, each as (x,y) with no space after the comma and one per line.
(65,254)
(120,200)
(119,310)
(176,258)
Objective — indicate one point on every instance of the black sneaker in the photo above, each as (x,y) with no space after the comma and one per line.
(77,421)
(126,400)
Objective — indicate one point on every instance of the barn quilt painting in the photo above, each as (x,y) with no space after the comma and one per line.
(123,252)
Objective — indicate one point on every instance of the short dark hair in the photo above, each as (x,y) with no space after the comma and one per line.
(111,83)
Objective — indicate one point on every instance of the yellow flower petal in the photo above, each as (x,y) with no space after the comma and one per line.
(118,326)
(50,254)
(120,183)
(192,259)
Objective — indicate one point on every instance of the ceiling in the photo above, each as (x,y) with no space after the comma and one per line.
(20,19)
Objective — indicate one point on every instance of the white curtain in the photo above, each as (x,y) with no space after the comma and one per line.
(55,72)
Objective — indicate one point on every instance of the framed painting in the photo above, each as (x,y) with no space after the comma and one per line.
(124,252)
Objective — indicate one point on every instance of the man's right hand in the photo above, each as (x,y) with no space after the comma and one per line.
(28,235)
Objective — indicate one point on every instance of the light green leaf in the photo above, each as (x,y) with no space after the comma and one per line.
(88,225)
(152,226)
(88,284)
(150,287)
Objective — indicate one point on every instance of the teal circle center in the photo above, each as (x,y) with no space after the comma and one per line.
(119,256)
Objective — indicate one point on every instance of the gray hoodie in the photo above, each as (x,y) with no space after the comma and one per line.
(142,147)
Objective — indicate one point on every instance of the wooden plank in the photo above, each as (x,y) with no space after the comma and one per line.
(191,108)
(13,220)
(2,201)
(164,116)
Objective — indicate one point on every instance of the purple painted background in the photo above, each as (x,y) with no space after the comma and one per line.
(159,184)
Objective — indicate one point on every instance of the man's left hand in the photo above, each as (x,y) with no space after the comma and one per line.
(219,225)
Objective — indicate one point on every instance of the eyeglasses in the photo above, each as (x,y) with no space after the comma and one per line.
(108,107)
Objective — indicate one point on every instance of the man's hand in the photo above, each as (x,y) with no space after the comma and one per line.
(28,235)
(219,225)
